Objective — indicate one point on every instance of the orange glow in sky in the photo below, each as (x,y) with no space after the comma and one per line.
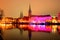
(12,8)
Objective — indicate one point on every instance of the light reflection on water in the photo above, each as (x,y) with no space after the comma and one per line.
(14,34)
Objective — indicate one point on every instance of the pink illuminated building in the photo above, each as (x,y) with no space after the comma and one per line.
(35,19)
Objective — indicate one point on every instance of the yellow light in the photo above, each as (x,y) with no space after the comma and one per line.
(5,26)
(54,20)
(22,20)
(2,24)
(58,21)
(54,16)
(48,20)
(54,28)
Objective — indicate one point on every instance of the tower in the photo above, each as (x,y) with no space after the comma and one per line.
(1,13)
(29,11)
(21,30)
(21,14)
(1,32)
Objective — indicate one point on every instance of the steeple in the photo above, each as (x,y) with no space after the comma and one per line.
(1,13)
(29,10)
(21,14)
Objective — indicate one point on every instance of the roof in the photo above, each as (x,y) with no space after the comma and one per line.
(40,16)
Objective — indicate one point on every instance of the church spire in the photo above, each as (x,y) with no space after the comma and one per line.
(29,10)
(1,13)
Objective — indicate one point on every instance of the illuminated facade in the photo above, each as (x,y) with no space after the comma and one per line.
(30,22)
(35,22)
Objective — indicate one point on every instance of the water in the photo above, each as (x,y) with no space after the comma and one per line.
(14,34)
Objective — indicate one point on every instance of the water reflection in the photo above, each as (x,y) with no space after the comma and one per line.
(43,28)
(54,28)
(51,28)
(11,24)
(47,28)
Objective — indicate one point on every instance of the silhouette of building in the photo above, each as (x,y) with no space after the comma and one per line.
(21,14)
(29,11)
(1,14)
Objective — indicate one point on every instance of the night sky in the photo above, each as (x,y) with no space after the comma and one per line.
(12,8)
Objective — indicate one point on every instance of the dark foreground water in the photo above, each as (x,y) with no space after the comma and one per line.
(14,34)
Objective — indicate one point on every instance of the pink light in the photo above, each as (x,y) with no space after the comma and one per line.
(43,19)
(33,21)
(33,27)
(39,20)
(42,27)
